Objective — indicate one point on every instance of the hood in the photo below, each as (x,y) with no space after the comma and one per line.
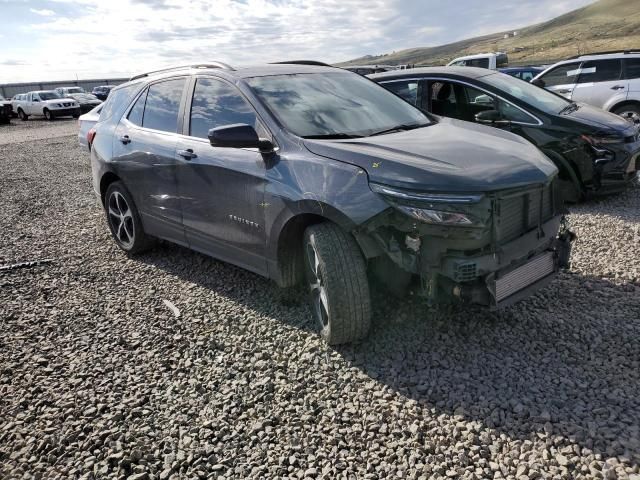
(599,119)
(84,97)
(448,156)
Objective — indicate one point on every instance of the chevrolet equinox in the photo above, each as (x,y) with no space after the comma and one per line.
(308,173)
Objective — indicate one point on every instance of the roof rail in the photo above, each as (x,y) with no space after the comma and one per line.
(303,62)
(610,52)
(221,65)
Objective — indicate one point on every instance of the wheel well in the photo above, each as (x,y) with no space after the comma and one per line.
(624,103)
(290,254)
(106,180)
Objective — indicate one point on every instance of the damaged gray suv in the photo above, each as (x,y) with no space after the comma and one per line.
(312,174)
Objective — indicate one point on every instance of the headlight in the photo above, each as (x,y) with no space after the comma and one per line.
(439,217)
(602,140)
(59,105)
(449,209)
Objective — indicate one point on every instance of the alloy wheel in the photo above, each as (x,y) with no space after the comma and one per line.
(631,117)
(319,299)
(121,219)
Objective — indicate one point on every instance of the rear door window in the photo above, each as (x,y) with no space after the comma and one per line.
(563,75)
(632,68)
(163,105)
(600,71)
(215,104)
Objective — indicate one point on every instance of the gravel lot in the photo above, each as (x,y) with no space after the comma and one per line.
(99,378)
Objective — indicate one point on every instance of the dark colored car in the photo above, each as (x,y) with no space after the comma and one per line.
(595,151)
(102,92)
(6,110)
(523,73)
(305,172)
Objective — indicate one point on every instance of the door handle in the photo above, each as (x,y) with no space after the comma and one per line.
(564,90)
(618,87)
(187,154)
(125,139)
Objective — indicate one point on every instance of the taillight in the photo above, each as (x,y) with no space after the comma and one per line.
(91,134)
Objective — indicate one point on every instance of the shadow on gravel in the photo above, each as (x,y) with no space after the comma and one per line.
(545,366)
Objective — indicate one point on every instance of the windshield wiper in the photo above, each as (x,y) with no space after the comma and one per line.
(331,136)
(400,128)
(573,106)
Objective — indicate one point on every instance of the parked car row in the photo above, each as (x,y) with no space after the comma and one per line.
(86,100)
(51,104)
(46,103)
(305,173)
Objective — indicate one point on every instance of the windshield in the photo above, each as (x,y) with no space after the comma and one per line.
(48,95)
(335,104)
(527,92)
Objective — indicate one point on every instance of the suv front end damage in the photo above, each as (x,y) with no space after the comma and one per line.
(490,249)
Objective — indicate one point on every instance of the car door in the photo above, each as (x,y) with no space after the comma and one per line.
(144,154)
(599,81)
(562,79)
(222,189)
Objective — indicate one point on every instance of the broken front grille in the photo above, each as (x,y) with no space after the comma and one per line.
(518,213)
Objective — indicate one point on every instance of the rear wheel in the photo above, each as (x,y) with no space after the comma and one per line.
(631,113)
(23,116)
(336,275)
(124,220)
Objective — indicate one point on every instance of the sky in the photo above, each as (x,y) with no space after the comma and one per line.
(68,39)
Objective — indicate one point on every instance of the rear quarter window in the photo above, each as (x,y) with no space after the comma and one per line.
(118,101)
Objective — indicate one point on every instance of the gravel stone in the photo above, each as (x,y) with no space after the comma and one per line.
(99,379)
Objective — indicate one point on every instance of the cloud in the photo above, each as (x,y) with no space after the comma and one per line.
(120,37)
(43,12)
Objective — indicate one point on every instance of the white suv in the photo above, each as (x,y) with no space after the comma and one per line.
(48,104)
(609,80)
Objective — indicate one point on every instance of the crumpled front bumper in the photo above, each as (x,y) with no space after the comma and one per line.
(508,275)
(615,166)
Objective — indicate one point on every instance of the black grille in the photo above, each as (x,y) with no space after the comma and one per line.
(519,213)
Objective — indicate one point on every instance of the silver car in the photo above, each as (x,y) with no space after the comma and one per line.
(86,122)
(608,80)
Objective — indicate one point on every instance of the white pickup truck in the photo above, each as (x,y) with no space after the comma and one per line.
(48,104)
(492,61)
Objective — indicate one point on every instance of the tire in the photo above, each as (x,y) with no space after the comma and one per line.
(23,116)
(336,275)
(48,115)
(124,221)
(630,112)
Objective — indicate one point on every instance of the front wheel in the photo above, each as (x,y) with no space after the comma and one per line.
(631,113)
(336,275)
(47,114)
(124,220)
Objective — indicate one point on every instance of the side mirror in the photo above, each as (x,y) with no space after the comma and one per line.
(492,117)
(36,99)
(538,82)
(239,135)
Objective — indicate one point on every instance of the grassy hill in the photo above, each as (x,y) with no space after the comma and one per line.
(603,25)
